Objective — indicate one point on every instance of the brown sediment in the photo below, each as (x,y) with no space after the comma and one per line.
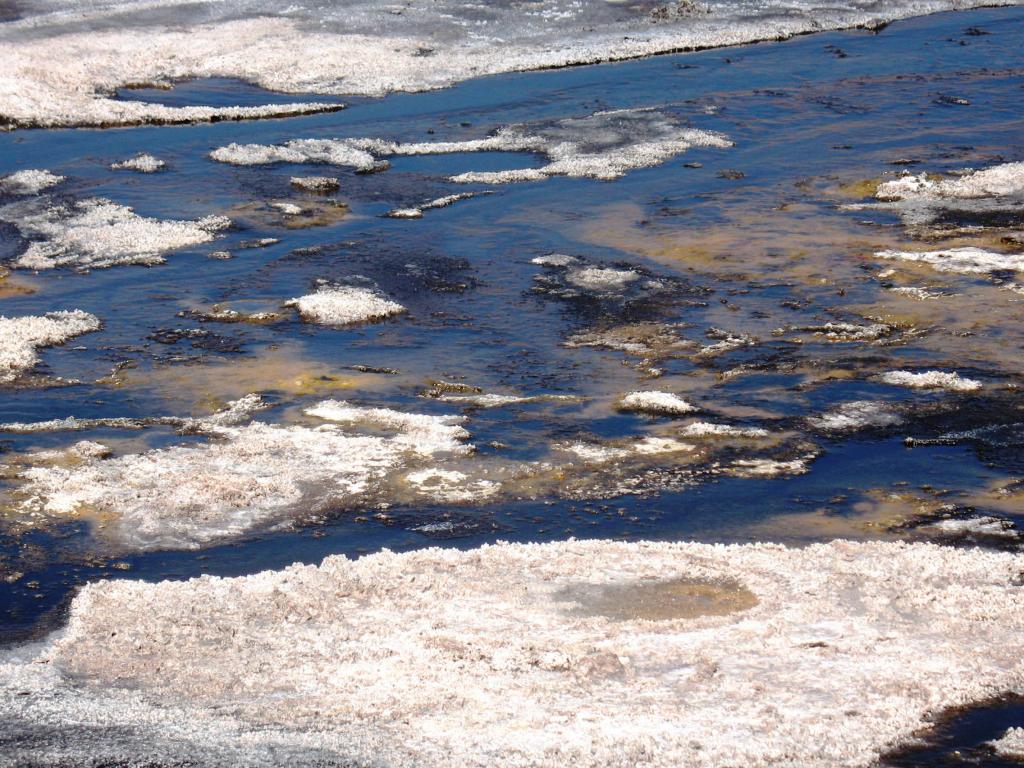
(282,369)
(10,288)
(658,600)
(316,212)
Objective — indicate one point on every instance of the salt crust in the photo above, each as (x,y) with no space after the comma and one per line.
(316,183)
(89,52)
(1010,744)
(344,305)
(983,526)
(493,400)
(770,467)
(190,495)
(22,337)
(441,657)
(699,429)
(855,415)
(97,233)
(234,413)
(604,145)
(655,402)
(930,380)
(965,261)
(30,182)
(143,163)
(417,211)
(997,181)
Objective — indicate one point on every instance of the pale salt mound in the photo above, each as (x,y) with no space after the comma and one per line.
(655,402)
(826,656)
(765,468)
(143,163)
(344,305)
(316,183)
(857,414)
(602,278)
(976,526)
(97,233)
(251,477)
(701,429)
(997,181)
(604,145)
(362,47)
(965,261)
(930,380)
(416,212)
(22,337)
(30,182)
(1010,744)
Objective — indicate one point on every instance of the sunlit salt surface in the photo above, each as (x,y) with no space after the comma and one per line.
(1011,744)
(21,338)
(97,233)
(931,380)
(30,182)
(589,653)
(604,145)
(91,52)
(965,261)
(656,402)
(344,305)
(143,163)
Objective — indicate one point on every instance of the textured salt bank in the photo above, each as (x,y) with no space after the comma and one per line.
(316,183)
(655,402)
(344,305)
(699,429)
(965,261)
(769,467)
(998,181)
(601,278)
(1010,744)
(30,182)
(930,380)
(97,233)
(604,145)
(509,655)
(855,415)
(252,476)
(976,526)
(417,212)
(143,163)
(22,337)
(325,47)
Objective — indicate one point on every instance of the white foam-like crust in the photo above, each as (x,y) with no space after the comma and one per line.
(90,51)
(494,400)
(604,145)
(344,305)
(22,337)
(316,183)
(699,429)
(441,658)
(417,211)
(97,233)
(998,181)
(29,182)
(983,526)
(554,260)
(451,486)
(968,260)
(1010,744)
(656,402)
(187,496)
(288,209)
(601,278)
(144,163)
(854,415)
(769,467)
(930,380)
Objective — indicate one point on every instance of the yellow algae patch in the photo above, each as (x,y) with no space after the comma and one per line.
(282,369)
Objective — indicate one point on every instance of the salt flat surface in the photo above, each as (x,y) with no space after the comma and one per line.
(931,380)
(97,233)
(91,49)
(604,145)
(22,337)
(585,653)
(344,305)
